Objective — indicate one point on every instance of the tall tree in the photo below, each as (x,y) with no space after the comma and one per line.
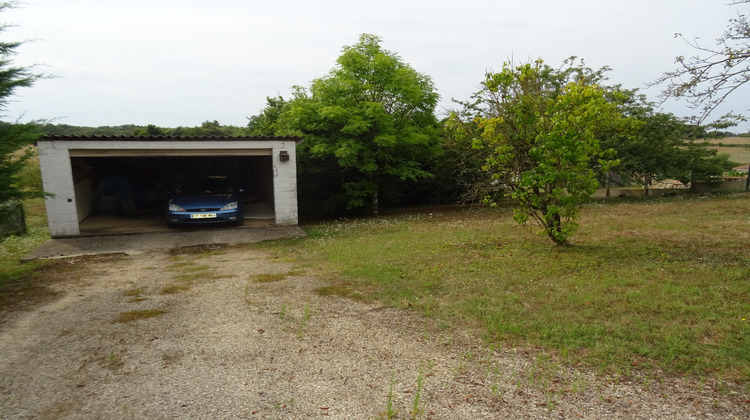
(264,124)
(662,146)
(651,152)
(151,130)
(15,139)
(707,79)
(462,162)
(372,116)
(540,126)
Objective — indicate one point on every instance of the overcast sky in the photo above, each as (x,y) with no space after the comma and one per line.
(181,62)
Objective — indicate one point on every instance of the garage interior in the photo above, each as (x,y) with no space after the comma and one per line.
(127,191)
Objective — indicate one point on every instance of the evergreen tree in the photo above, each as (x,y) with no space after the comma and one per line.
(15,139)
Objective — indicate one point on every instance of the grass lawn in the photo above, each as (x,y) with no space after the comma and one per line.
(650,285)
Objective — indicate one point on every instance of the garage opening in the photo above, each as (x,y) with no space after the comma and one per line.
(127,180)
(121,193)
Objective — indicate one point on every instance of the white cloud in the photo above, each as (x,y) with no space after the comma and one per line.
(182,62)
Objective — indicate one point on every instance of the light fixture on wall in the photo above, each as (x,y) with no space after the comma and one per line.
(284,156)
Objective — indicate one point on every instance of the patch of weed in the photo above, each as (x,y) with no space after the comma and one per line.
(189,278)
(136,315)
(269,277)
(113,361)
(306,314)
(390,408)
(136,294)
(416,409)
(171,289)
(189,272)
(274,277)
(342,290)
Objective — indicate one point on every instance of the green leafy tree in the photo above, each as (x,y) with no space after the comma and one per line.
(651,153)
(265,123)
(541,126)
(151,130)
(698,161)
(370,122)
(462,163)
(211,128)
(662,146)
(207,128)
(15,139)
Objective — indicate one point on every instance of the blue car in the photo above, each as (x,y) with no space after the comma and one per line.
(208,200)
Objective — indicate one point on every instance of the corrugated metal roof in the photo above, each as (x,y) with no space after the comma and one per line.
(168,138)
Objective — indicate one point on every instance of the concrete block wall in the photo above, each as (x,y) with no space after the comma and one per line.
(57,178)
(285,186)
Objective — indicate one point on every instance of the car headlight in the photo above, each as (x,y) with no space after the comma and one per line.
(175,207)
(231,206)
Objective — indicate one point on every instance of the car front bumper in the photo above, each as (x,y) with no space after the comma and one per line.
(204,217)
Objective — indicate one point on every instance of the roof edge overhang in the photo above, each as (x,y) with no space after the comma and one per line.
(295,139)
(167,152)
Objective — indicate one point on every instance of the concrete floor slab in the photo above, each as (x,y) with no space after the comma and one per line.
(140,242)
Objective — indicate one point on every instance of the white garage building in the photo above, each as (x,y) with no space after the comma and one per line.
(76,170)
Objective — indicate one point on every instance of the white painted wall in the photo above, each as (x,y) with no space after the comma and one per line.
(57,178)
(285,185)
(57,174)
(84,198)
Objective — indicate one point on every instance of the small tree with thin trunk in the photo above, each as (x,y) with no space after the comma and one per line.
(541,130)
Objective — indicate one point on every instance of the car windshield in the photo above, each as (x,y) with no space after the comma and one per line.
(208,185)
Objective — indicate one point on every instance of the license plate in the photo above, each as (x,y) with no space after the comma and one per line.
(203,216)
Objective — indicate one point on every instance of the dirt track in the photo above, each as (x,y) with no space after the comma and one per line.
(225,345)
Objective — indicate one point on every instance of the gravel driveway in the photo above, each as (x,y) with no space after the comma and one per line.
(235,333)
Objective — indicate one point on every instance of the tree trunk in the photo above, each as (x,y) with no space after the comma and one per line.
(608,174)
(554,231)
(375,204)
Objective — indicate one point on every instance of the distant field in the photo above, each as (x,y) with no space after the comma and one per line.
(732,140)
(736,154)
(738,148)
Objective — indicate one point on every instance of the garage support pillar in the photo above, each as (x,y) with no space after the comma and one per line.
(285,185)
(57,178)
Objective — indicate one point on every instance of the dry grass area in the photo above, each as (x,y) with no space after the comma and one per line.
(738,155)
(738,148)
(745,141)
(130,316)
